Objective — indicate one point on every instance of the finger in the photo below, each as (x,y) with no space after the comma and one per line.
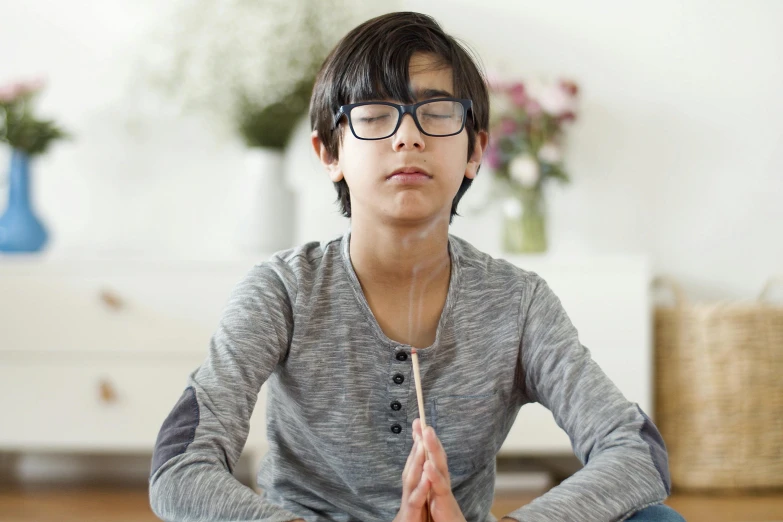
(436,452)
(415,471)
(408,462)
(438,482)
(418,496)
(416,431)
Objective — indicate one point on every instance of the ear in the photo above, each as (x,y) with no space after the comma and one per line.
(474,161)
(332,165)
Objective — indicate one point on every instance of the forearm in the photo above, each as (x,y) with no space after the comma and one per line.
(611,487)
(190,487)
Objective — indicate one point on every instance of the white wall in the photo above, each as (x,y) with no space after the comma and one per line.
(677,152)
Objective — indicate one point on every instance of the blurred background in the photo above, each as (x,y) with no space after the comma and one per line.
(166,191)
(676,152)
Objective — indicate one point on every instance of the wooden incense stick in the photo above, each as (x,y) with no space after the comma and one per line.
(422,415)
(419,394)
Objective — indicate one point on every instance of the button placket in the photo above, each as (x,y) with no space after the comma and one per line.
(398,388)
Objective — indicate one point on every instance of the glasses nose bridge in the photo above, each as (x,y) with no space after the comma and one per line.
(408,109)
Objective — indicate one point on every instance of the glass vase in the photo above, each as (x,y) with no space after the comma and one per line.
(524,223)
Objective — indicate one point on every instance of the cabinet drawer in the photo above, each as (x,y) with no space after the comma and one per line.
(89,405)
(92,308)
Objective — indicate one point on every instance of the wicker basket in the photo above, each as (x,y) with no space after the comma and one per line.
(719,392)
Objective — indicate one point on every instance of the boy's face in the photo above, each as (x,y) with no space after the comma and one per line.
(369,167)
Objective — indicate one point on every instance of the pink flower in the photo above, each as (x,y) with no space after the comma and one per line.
(555,100)
(518,94)
(570,87)
(11,92)
(533,108)
(30,86)
(8,93)
(567,117)
(493,157)
(508,126)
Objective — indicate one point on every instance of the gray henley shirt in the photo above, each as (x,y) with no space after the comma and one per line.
(341,400)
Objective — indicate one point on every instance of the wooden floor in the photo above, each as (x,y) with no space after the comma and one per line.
(131,505)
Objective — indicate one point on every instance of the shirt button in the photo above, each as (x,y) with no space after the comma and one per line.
(402,356)
(396,428)
(396,406)
(399,378)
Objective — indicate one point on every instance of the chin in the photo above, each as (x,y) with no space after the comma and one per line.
(416,217)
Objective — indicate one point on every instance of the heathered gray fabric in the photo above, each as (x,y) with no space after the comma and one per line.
(301,323)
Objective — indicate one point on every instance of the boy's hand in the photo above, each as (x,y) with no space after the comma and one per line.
(443,505)
(414,486)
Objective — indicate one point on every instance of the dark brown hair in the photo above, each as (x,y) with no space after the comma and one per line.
(371,62)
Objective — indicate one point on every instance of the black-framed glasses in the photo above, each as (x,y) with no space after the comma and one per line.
(378,120)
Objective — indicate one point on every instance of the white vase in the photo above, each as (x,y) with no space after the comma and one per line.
(266,204)
(318,216)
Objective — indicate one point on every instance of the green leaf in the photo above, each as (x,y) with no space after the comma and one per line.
(559,174)
(271,126)
(22,131)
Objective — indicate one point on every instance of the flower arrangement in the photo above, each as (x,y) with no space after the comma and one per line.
(28,136)
(250,64)
(18,127)
(527,134)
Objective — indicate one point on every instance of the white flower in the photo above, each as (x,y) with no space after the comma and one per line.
(550,153)
(512,208)
(524,170)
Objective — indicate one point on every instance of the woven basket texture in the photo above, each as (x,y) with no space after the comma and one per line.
(719,391)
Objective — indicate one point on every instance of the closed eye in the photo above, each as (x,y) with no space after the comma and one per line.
(438,116)
(374,119)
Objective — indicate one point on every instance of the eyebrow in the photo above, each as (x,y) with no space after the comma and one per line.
(423,94)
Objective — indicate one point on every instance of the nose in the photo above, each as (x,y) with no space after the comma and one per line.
(408,135)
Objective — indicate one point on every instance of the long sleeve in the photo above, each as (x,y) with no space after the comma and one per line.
(625,461)
(203,436)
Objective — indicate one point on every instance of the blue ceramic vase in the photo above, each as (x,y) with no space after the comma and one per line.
(20,228)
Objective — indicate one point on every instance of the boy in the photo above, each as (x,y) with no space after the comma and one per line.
(399,115)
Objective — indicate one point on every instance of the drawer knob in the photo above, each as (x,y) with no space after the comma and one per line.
(112,300)
(107,392)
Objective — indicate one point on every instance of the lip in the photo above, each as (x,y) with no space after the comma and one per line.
(409,174)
